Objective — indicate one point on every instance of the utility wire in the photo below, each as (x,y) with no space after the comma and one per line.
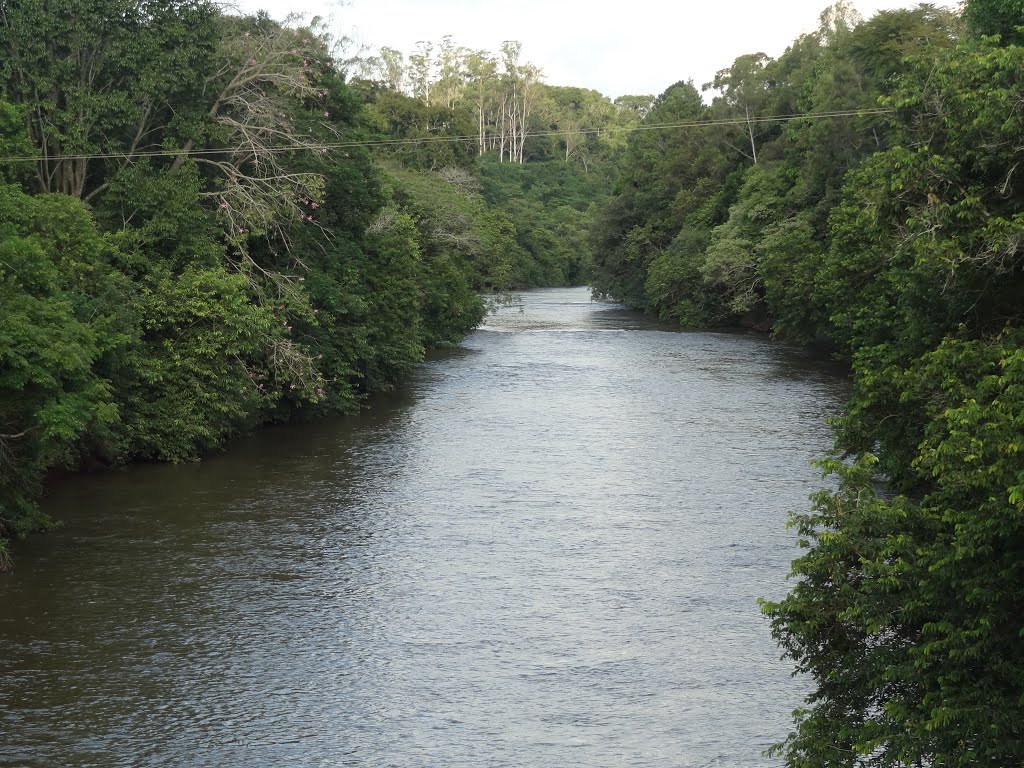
(327,146)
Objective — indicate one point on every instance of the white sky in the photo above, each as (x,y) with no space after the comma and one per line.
(639,46)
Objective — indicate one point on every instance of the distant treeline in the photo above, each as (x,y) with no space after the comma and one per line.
(897,239)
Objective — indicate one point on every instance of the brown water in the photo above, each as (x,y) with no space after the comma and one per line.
(545,551)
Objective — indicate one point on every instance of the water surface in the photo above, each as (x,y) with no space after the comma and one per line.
(545,551)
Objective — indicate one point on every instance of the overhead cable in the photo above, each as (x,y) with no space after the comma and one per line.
(329,146)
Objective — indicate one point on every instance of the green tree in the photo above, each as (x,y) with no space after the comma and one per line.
(676,187)
(50,337)
(14,143)
(101,77)
(996,17)
(744,89)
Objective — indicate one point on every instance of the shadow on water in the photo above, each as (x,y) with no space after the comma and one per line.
(154,503)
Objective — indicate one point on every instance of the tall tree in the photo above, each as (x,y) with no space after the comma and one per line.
(393,68)
(744,90)
(482,74)
(451,73)
(420,73)
(265,71)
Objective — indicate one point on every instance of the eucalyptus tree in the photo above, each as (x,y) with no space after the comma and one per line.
(743,91)
(482,77)
(629,112)
(578,115)
(634,105)
(452,76)
(518,95)
(393,66)
(420,72)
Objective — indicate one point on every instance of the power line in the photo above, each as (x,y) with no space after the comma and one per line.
(328,146)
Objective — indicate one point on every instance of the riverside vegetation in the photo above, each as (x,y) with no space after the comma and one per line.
(169,278)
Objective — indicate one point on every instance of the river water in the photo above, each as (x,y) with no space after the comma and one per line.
(545,551)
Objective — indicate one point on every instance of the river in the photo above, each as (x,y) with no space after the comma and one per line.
(546,551)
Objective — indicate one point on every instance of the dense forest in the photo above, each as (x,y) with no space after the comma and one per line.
(864,191)
(211,222)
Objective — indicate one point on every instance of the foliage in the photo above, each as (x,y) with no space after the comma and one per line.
(550,204)
(167,299)
(102,76)
(541,156)
(675,181)
(13,143)
(742,193)
(996,17)
(908,614)
(50,395)
(452,219)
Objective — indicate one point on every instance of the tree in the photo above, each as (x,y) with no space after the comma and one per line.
(451,73)
(420,73)
(482,74)
(634,105)
(393,63)
(578,115)
(732,257)
(518,93)
(50,337)
(996,17)
(266,72)
(649,239)
(14,143)
(101,77)
(744,89)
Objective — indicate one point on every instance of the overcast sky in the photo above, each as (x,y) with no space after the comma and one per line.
(637,46)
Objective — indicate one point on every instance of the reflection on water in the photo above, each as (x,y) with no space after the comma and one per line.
(545,551)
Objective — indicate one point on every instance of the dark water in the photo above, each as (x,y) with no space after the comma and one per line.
(545,552)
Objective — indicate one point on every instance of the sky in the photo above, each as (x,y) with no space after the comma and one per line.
(617,48)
